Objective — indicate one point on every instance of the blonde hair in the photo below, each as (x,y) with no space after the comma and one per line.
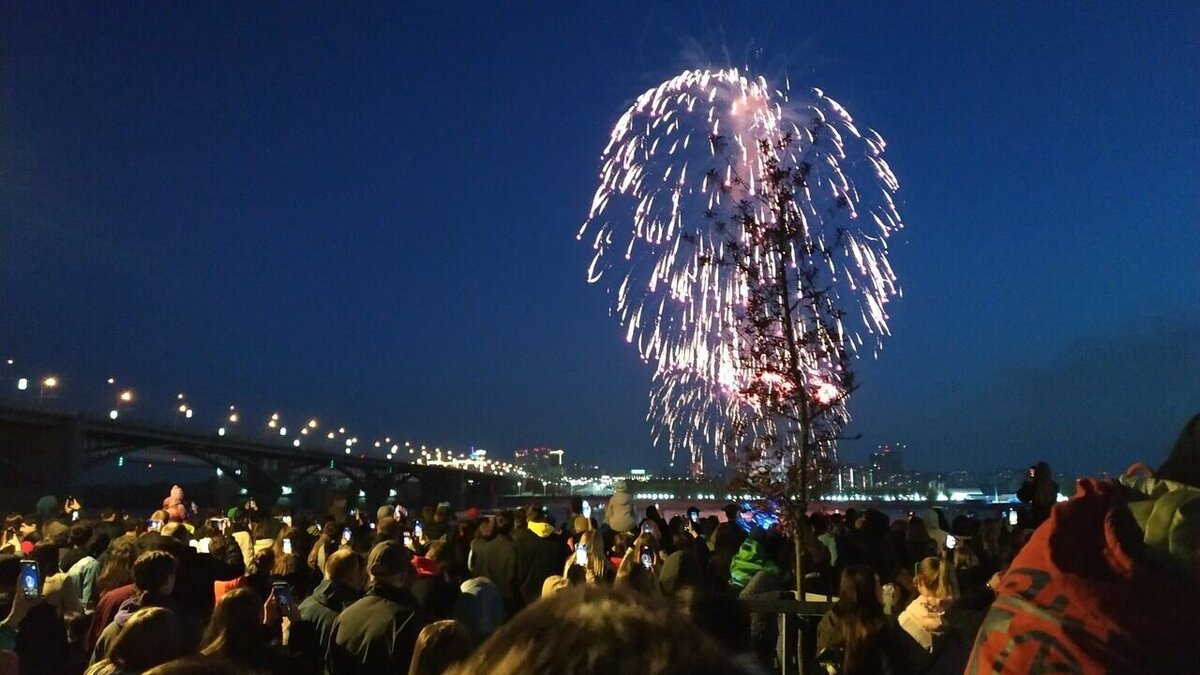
(936,576)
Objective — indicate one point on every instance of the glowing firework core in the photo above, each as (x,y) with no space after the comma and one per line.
(717,190)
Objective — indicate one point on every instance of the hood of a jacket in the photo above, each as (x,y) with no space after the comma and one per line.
(334,595)
(542,530)
(748,561)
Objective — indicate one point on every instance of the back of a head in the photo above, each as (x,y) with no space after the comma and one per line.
(234,631)
(149,637)
(534,513)
(344,566)
(503,523)
(577,504)
(937,576)
(598,631)
(80,535)
(857,592)
(152,570)
(440,645)
(176,530)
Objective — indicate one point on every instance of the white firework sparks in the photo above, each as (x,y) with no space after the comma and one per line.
(684,166)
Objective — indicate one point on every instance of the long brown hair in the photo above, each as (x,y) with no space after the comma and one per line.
(861,619)
(235,630)
(118,565)
(148,638)
(440,645)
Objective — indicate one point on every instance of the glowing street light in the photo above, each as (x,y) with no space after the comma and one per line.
(312,424)
(50,382)
(125,396)
(23,384)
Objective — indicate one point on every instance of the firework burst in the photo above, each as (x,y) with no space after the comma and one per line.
(678,225)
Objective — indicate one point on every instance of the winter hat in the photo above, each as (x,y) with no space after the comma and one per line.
(388,558)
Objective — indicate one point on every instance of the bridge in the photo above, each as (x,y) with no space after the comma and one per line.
(44,451)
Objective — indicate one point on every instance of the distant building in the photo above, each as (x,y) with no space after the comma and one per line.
(540,462)
(885,465)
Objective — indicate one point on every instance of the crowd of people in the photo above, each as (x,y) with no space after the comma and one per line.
(366,591)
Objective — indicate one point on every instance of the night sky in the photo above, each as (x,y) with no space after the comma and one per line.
(368,214)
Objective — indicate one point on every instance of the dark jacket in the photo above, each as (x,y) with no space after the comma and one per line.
(496,559)
(376,634)
(42,641)
(540,554)
(313,634)
(433,590)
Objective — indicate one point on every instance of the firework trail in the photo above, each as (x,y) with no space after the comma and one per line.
(683,163)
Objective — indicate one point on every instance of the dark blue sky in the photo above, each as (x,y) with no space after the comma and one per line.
(368,213)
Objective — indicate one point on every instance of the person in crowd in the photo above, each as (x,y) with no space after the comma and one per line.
(288,565)
(918,545)
(774,573)
(198,572)
(32,631)
(540,552)
(926,642)
(574,510)
(237,633)
(80,565)
(495,559)
(440,645)
(854,635)
(377,633)
(108,527)
(433,587)
(59,589)
(1109,582)
(175,506)
(118,565)
(480,608)
(619,515)
(638,571)
(257,576)
(345,577)
(600,631)
(329,541)
(151,636)
(1040,492)
(154,574)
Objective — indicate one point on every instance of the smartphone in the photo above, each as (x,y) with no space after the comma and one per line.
(418,530)
(74,516)
(287,546)
(951,542)
(408,542)
(647,528)
(31,579)
(353,513)
(581,555)
(154,525)
(647,557)
(398,512)
(286,520)
(695,516)
(372,525)
(282,593)
(1012,517)
(346,536)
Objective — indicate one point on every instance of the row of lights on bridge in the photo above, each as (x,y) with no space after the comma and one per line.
(126,397)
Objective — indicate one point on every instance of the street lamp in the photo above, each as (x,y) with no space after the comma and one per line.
(50,383)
